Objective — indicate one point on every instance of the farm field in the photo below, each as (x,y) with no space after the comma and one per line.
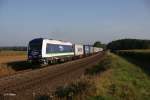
(12,53)
(8,57)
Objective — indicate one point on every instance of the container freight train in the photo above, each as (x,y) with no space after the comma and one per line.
(50,51)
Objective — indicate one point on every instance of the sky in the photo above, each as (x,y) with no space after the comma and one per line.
(78,21)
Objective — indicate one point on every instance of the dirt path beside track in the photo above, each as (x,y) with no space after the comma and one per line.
(42,81)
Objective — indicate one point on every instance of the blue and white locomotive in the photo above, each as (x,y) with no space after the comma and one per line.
(49,50)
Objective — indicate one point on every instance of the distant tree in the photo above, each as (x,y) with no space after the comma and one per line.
(125,44)
(97,44)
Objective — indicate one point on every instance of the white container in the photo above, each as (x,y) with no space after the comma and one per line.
(91,50)
(78,49)
(100,49)
(96,49)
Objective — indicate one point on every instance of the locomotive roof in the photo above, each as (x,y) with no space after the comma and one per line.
(53,40)
(47,39)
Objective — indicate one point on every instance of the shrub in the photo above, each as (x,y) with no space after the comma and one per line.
(102,66)
(42,97)
(73,89)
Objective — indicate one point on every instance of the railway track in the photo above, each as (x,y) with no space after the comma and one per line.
(46,79)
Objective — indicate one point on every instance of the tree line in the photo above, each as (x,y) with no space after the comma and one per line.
(99,44)
(126,44)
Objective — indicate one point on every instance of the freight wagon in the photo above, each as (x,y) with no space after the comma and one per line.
(49,50)
(78,50)
(96,49)
(91,49)
(86,50)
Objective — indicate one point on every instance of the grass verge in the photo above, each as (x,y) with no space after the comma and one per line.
(140,58)
(123,81)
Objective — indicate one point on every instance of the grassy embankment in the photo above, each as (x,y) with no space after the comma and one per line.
(114,78)
(125,80)
(139,57)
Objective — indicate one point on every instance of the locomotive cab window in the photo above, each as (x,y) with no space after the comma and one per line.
(35,46)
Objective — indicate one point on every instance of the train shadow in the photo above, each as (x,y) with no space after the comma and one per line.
(25,65)
(144,64)
(22,65)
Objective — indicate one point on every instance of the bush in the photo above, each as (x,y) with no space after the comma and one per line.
(42,97)
(102,66)
(73,89)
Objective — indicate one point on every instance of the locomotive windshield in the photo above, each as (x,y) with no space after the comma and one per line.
(35,44)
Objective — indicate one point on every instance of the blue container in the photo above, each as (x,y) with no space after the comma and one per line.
(86,49)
